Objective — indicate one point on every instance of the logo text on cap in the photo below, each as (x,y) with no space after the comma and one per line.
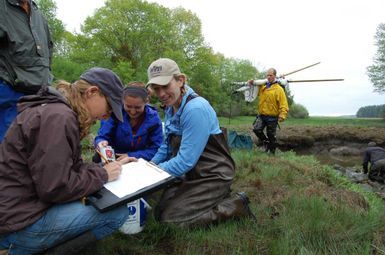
(156,69)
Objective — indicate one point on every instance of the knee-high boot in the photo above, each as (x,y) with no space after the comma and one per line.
(233,207)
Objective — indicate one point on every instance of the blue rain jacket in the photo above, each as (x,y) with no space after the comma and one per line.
(195,121)
(119,135)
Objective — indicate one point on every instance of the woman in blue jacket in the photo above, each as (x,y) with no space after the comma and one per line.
(140,133)
(195,150)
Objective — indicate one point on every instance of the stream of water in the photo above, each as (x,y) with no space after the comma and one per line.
(329,159)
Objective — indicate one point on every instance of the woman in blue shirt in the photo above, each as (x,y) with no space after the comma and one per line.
(195,150)
(140,133)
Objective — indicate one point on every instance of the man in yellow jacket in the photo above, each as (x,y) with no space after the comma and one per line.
(272,108)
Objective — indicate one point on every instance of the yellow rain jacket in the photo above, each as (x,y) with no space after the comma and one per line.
(272,101)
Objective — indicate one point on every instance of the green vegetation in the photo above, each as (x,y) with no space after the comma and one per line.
(376,70)
(371,111)
(298,111)
(126,36)
(148,31)
(329,121)
(301,206)
(243,123)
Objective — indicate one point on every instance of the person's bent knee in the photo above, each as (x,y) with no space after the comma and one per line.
(114,219)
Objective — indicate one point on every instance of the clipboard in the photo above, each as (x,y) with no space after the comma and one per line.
(106,199)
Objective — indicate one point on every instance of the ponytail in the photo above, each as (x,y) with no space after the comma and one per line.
(74,93)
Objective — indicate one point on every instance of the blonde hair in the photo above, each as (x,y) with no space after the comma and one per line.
(75,94)
(183,88)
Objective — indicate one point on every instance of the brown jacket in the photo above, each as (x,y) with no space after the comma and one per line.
(40,162)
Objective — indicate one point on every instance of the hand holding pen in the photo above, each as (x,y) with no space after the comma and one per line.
(113,168)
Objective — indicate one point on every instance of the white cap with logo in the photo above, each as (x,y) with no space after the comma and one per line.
(161,71)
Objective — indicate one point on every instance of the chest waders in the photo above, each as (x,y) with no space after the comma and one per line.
(203,196)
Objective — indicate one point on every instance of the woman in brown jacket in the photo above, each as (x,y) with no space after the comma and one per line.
(42,174)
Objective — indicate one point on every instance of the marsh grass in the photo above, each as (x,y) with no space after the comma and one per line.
(312,121)
(302,207)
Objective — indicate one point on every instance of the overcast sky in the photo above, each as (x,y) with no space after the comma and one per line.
(287,35)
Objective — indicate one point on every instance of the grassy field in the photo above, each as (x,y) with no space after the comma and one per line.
(312,121)
(302,207)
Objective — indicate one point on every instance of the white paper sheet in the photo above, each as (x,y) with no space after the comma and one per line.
(136,176)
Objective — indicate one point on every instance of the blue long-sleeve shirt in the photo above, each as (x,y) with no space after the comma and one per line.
(195,122)
(143,144)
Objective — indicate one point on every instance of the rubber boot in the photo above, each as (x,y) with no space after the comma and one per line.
(233,207)
(266,145)
(271,148)
(73,246)
(246,202)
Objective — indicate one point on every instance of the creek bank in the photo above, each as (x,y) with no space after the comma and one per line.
(342,147)
(355,176)
(329,136)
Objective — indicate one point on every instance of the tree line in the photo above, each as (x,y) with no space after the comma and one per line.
(127,35)
(371,111)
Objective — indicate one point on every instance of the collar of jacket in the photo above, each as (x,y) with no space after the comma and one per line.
(17,2)
(268,84)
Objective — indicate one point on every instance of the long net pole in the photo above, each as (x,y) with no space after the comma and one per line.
(315,80)
(303,68)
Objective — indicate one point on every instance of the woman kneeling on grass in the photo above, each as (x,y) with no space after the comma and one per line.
(195,150)
(140,133)
(42,174)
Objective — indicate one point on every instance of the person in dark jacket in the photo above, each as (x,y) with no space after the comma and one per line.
(25,55)
(374,155)
(42,175)
(195,150)
(140,133)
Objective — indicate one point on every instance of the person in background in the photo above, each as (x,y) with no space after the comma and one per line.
(374,155)
(25,55)
(195,150)
(42,175)
(140,133)
(272,108)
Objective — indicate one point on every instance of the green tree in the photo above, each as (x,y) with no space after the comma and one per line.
(371,111)
(236,70)
(48,9)
(376,70)
(298,111)
(129,33)
(127,36)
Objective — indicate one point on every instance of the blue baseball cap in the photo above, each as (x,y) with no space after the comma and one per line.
(111,86)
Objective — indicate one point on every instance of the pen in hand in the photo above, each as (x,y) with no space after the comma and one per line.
(113,169)
(102,156)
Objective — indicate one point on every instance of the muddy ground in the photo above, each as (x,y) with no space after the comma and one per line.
(309,136)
